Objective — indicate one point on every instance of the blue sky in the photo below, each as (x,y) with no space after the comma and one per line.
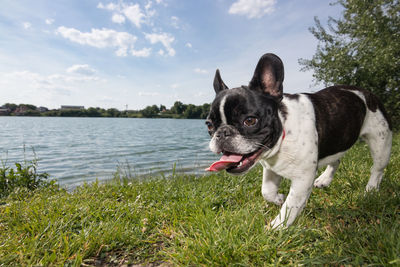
(112,53)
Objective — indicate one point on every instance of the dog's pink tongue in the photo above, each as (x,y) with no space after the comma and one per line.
(224,162)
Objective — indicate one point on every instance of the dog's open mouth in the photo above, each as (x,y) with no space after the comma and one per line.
(235,163)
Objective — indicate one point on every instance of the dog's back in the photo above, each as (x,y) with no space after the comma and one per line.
(341,113)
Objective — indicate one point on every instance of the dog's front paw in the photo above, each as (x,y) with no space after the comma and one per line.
(277,223)
(322,181)
(279,199)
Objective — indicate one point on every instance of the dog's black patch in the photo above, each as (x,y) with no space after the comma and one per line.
(237,108)
(339,117)
(373,102)
(241,103)
(214,115)
(292,96)
(283,109)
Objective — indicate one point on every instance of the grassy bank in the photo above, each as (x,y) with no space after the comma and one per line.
(215,220)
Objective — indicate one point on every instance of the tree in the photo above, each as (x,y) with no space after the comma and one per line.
(93,112)
(150,111)
(112,112)
(10,106)
(192,112)
(205,110)
(178,108)
(28,106)
(71,113)
(361,48)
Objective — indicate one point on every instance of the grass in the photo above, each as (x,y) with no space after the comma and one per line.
(23,176)
(214,220)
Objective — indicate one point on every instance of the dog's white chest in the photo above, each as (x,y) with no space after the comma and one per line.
(298,151)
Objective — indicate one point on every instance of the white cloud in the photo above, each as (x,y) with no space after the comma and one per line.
(141,15)
(148,94)
(104,38)
(145,52)
(84,69)
(148,5)
(100,5)
(21,75)
(252,8)
(175,22)
(201,94)
(150,13)
(110,6)
(48,89)
(134,14)
(36,81)
(188,45)
(175,85)
(27,25)
(65,79)
(117,18)
(165,39)
(49,21)
(200,71)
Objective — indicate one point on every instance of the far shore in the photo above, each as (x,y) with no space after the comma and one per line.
(177,111)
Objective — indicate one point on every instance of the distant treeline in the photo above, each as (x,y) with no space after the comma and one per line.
(178,110)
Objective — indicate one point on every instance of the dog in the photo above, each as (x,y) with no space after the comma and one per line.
(292,135)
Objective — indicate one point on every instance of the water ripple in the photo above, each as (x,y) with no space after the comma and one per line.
(75,150)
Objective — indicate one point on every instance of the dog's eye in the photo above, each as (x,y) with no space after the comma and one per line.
(250,121)
(210,126)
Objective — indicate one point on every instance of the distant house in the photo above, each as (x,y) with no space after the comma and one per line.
(21,110)
(42,109)
(4,111)
(73,107)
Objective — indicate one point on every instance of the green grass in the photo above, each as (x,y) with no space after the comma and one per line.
(23,176)
(215,220)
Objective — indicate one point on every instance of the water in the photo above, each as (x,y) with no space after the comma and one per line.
(74,150)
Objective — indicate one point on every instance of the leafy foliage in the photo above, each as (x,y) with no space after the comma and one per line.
(23,176)
(361,48)
(178,110)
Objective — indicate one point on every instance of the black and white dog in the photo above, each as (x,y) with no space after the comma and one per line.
(291,135)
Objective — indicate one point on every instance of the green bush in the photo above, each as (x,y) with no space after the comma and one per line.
(22,176)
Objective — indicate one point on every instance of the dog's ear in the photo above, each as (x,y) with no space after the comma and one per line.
(268,76)
(219,85)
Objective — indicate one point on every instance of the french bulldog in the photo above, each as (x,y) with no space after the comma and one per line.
(292,135)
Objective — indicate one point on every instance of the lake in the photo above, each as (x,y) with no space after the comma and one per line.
(75,150)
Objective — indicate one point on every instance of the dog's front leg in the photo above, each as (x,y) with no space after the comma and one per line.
(270,186)
(296,200)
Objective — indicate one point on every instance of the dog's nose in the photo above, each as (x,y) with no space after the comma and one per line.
(224,132)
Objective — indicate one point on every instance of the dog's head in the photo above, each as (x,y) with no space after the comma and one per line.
(243,122)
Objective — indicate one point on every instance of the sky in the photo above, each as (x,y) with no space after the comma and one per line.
(134,53)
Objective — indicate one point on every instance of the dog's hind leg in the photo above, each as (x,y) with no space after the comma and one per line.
(380,146)
(378,136)
(326,177)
